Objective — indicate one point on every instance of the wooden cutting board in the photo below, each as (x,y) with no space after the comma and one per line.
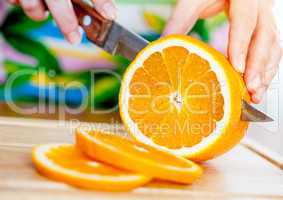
(239,174)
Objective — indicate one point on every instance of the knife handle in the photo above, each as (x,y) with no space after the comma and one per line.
(95,25)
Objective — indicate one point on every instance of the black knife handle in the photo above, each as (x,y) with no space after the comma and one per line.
(95,25)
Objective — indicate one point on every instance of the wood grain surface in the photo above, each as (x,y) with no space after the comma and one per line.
(239,174)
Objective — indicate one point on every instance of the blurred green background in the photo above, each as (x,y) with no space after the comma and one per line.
(39,66)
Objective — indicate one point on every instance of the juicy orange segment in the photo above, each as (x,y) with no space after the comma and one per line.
(179,80)
(193,69)
(174,58)
(137,157)
(140,82)
(198,90)
(63,162)
(155,66)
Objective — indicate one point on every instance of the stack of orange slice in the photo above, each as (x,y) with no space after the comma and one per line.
(108,162)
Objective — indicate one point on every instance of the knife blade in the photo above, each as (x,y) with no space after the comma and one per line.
(117,40)
(249,113)
(109,35)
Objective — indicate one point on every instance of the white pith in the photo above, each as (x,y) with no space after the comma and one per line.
(176,100)
(125,94)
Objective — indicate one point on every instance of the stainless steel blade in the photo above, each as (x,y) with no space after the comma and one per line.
(251,114)
(121,41)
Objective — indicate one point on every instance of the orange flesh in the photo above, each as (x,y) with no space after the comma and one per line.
(175,98)
(70,158)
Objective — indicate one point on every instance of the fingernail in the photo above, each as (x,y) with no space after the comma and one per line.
(39,15)
(46,14)
(30,2)
(74,37)
(109,11)
(240,63)
(255,82)
(12,1)
(257,97)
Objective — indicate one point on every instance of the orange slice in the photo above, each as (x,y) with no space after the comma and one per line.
(63,162)
(183,96)
(137,157)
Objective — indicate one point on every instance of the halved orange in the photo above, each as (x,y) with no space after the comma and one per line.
(63,162)
(137,157)
(182,96)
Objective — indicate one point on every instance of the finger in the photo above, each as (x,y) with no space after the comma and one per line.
(64,15)
(269,72)
(259,54)
(243,19)
(272,65)
(256,62)
(184,16)
(106,8)
(34,9)
(276,52)
(257,97)
(214,9)
(13,1)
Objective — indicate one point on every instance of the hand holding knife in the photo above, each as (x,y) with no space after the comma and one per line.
(117,40)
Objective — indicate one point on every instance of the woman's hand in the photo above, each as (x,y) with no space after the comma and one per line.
(63,13)
(254,47)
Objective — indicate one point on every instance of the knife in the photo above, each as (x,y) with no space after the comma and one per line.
(117,40)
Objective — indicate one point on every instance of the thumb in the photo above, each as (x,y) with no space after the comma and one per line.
(184,16)
(106,8)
